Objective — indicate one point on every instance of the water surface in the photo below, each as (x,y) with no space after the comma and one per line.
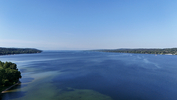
(86,75)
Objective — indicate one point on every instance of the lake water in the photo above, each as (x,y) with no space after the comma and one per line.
(86,75)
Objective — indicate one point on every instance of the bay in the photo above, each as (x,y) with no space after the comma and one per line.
(87,75)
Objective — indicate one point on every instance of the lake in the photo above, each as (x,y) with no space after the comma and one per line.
(87,75)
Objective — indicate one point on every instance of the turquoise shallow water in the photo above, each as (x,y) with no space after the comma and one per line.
(86,75)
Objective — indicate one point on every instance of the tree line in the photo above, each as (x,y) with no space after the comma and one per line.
(144,51)
(7,51)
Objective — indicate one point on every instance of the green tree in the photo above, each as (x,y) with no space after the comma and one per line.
(9,74)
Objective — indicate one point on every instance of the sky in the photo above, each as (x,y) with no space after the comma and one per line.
(88,24)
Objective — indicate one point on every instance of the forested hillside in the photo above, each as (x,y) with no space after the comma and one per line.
(7,51)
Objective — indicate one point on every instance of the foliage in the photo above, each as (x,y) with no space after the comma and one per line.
(9,74)
(6,51)
(144,51)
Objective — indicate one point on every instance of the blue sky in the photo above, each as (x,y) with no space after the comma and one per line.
(88,24)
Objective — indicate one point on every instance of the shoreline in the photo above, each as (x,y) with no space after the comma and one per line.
(18,54)
(135,53)
(4,91)
(10,87)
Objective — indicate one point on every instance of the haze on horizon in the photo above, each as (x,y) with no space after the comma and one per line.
(88,24)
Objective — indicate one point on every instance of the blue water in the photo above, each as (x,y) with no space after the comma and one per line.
(87,75)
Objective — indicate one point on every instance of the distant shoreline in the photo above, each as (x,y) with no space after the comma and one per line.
(13,51)
(18,54)
(166,51)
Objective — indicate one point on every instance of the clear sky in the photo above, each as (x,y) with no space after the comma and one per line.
(88,24)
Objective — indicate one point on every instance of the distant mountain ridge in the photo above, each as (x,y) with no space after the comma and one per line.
(172,51)
(8,51)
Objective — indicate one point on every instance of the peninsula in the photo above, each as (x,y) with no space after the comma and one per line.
(169,51)
(9,75)
(9,51)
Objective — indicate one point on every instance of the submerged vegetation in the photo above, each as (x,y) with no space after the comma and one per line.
(81,94)
(9,74)
(7,51)
(172,51)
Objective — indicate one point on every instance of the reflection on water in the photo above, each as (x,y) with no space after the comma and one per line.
(85,75)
